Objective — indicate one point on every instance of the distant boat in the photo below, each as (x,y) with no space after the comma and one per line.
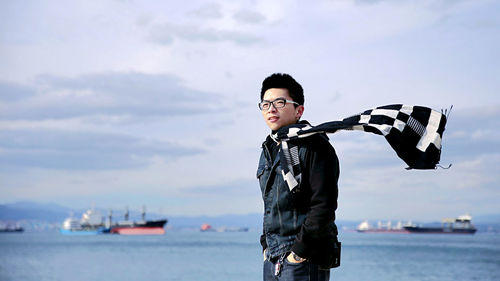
(460,225)
(233,229)
(206,227)
(9,228)
(365,227)
(92,223)
(143,227)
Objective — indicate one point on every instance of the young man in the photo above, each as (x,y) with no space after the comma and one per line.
(299,233)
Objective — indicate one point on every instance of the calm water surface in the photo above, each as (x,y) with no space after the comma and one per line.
(236,256)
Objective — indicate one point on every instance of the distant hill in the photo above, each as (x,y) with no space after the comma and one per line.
(487,219)
(54,213)
(33,211)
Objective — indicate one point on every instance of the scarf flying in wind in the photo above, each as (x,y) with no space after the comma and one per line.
(414,132)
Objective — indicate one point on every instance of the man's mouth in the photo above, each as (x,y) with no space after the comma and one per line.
(273,119)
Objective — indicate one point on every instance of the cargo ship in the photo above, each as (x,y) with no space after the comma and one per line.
(460,225)
(92,223)
(366,227)
(143,227)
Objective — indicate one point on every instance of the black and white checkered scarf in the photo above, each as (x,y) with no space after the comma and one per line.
(414,132)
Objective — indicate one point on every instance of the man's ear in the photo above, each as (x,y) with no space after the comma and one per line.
(299,111)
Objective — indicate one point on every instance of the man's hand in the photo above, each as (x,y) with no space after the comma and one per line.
(294,258)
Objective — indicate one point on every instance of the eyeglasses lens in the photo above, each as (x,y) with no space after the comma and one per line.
(279,103)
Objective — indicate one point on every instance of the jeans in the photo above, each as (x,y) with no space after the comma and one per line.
(304,271)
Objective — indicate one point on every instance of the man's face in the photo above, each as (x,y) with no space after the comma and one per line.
(279,117)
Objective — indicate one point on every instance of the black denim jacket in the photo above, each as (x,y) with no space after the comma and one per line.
(302,221)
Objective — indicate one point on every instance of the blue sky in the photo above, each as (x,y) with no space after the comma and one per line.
(118,103)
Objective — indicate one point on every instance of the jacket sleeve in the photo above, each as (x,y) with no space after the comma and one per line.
(321,174)
(263,242)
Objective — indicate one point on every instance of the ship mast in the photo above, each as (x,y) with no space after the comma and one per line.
(143,213)
(126,213)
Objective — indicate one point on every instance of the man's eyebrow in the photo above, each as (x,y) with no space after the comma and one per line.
(276,99)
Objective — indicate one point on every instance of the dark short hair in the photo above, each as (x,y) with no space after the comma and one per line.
(284,81)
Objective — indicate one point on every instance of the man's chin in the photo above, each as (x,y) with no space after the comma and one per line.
(275,127)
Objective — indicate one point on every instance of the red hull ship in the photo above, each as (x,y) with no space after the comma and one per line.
(143,227)
(139,228)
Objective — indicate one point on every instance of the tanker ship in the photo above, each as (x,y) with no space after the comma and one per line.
(460,225)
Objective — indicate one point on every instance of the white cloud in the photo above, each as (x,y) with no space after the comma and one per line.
(84,150)
(249,16)
(113,94)
(209,10)
(167,33)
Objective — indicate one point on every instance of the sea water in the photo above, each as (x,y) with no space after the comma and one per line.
(189,255)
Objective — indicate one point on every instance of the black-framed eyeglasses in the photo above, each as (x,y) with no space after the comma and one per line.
(277,103)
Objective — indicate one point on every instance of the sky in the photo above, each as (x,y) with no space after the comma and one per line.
(129,103)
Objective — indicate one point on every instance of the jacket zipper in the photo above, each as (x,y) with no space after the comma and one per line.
(267,182)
